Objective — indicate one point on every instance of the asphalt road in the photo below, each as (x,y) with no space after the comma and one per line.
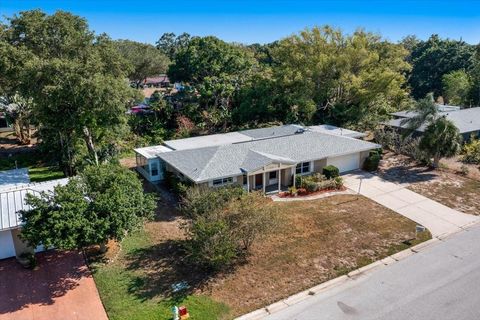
(442,283)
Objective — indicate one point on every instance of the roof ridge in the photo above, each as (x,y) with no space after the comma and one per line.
(210,160)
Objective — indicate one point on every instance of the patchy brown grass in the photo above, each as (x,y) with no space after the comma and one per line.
(452,190)
(317,241)
(314,242)
(443,185)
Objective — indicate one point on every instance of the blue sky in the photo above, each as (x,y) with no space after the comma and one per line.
(265,21)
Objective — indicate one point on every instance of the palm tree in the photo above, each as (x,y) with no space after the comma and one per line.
(441,139)
(426,112)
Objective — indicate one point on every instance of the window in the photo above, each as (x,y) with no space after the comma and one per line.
(302,168)
(221,182)
(154,169)
(272,175)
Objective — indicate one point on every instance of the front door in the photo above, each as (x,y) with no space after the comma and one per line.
(258,180)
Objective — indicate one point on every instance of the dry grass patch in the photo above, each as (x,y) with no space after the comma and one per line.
(314,242)
(442,185)
(319,240)
(452,190)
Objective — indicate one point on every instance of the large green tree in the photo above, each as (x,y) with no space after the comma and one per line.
(322,75)
(457,87)
(216,70)
(145,60)
(104,202)
(77,81)
(434,58)
(169,43)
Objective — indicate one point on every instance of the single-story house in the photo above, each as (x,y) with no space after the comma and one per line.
(260,159)
(160,81)
(466,120)
(12,200)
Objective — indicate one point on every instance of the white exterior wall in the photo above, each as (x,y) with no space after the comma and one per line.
(7,248)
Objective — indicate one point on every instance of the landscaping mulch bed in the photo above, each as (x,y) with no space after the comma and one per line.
(310,194)
(315,241)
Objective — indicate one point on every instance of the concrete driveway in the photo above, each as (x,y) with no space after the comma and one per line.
(61,288)
(439,219)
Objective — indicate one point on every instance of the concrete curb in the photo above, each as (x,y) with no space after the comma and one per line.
(351,276)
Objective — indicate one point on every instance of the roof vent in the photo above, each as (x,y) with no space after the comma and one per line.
(299,131)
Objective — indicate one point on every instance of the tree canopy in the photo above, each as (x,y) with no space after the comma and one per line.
(434,58)
(145,60)
(76,79)
(322,75)
(104,202)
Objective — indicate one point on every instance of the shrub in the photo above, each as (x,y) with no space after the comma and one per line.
(471,152)
(372,161)
(338,182)
(327,184)
(408,145)
(331,172)
(210,245)
(176,185)
(311,186)
(224,225)
(464,170)
(292,190)
(199,201)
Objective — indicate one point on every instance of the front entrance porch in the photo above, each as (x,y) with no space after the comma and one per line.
(270,181)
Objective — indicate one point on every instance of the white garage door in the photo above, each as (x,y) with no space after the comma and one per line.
(7,249)
(345,163)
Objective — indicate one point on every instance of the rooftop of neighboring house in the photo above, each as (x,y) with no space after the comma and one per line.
(157,79)
(441,108)
(12,200)
(466,120)
(212,162)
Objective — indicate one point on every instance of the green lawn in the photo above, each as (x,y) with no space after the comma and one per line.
(119,287)
(38,169)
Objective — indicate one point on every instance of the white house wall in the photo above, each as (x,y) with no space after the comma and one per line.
(7,248)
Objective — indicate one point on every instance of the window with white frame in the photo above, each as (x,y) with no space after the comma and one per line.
(302,168)
(222,182)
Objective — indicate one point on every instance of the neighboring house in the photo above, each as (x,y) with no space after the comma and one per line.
(12,200)
(160,81)
(466,120)
(260,159)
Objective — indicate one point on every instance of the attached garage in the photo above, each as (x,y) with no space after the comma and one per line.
(345,163)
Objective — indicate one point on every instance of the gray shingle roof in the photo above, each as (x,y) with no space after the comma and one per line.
(271,132)
(204,164)
(466,120)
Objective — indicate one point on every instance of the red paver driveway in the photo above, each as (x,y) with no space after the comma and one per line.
(61,288)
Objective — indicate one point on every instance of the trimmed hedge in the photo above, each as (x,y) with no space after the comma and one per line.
(331,172)
(372,161)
